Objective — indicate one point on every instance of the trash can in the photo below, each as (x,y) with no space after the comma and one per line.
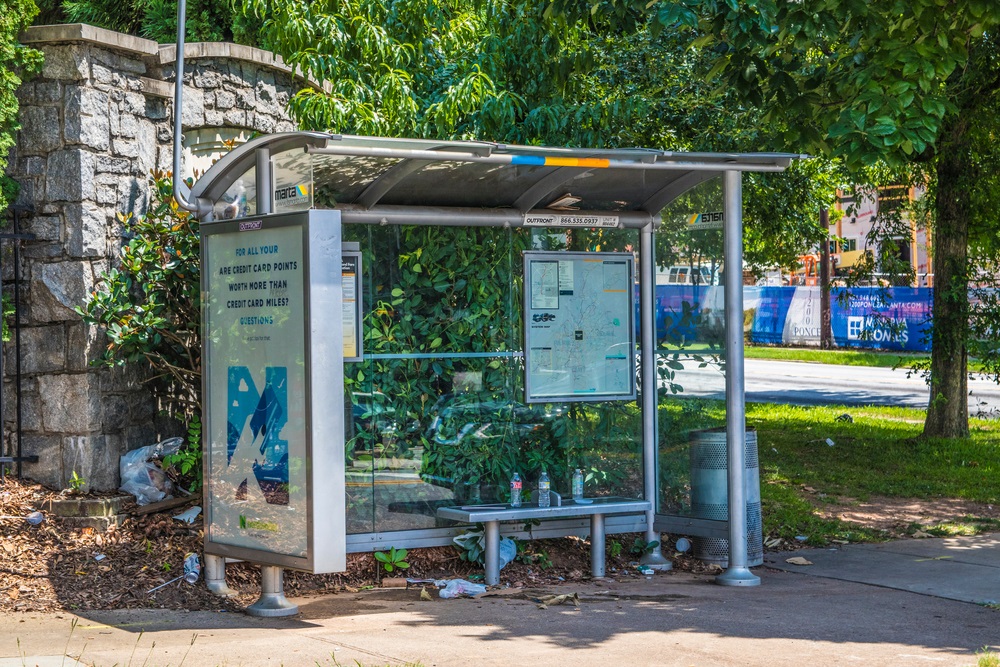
(710,494)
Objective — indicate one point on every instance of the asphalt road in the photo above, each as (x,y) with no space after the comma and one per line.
(820,384)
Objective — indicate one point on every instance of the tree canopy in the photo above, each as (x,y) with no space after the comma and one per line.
(908,83)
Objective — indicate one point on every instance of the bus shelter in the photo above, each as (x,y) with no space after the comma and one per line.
(396,326)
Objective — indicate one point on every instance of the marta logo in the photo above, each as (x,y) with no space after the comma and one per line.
(291,192)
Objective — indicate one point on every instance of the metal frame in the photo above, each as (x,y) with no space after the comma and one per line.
(530,256)
(18,458)
(296,220)
(493,516)
(440,537)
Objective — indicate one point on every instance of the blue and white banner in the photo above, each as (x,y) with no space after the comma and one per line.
(860,317)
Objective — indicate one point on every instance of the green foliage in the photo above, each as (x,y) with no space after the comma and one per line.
(894,83)
(393,559)
(868,81)
(187,461)
(76,483)
(6,310)
(985,657)
(149,306)
(641,547)
(16,62)
(471,545)
(207,20)
(615,548)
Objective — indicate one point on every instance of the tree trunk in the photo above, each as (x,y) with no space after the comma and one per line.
(948,409)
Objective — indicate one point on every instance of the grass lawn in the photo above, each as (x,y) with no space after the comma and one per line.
(879,454)
(838,357)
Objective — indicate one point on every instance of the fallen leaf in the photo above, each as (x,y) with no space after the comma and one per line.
(13,594)
(425,596)
(798,560)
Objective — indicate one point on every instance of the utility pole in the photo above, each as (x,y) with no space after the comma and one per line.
(825,331)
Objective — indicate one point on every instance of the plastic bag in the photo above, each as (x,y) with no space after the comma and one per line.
(144,480)
(459,587)
(508,551)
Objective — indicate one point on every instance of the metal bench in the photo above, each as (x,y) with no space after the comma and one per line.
(492,515)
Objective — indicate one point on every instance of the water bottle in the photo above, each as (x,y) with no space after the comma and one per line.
(577,484)
(515,490)
(192,568)
(543,489)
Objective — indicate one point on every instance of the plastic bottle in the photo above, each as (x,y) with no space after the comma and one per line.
(192,568)
(543,489)
(515,490)
(577,484)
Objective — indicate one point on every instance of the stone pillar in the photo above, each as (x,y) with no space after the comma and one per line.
(95,123)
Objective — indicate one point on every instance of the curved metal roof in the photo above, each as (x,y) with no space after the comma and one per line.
(373,176)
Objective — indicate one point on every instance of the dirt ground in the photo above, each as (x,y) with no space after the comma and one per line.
(896,515)
(53,566)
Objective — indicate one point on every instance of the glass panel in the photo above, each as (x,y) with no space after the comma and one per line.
(479,185)
(240,199)
(437,408)
(690,330)
(341,179)
(293,182)
(365,413)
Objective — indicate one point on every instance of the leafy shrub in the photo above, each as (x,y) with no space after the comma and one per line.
(393,559)
(150,310)
(150,306)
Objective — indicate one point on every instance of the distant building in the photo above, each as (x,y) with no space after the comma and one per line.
(857,218)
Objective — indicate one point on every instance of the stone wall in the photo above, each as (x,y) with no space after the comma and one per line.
(94,124)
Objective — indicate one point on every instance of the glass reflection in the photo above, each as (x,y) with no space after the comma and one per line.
(690,332)
(437,414)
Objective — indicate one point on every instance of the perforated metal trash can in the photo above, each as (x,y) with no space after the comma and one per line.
(710,494)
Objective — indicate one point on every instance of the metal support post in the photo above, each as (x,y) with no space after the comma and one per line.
(650,392)
(265,191)
(738,574)
(215,576)
(597,545)
(492,553)
(272,602)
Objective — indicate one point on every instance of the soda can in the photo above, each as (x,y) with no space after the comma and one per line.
(192,568)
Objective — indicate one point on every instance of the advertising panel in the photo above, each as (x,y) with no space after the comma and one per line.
(353,317)
(579,327)
(267,325)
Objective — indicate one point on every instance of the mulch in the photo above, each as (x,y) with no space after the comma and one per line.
(55,566)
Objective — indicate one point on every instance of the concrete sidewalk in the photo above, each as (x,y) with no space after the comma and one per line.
(957,568)
(670,619)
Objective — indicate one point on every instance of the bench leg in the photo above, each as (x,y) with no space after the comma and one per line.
(492,553)
(597,545)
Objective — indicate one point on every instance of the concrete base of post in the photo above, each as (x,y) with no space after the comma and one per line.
(215,576)
(655,560)
(738,576)
(272,602)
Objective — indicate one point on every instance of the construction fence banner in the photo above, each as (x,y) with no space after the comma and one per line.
(895,318)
